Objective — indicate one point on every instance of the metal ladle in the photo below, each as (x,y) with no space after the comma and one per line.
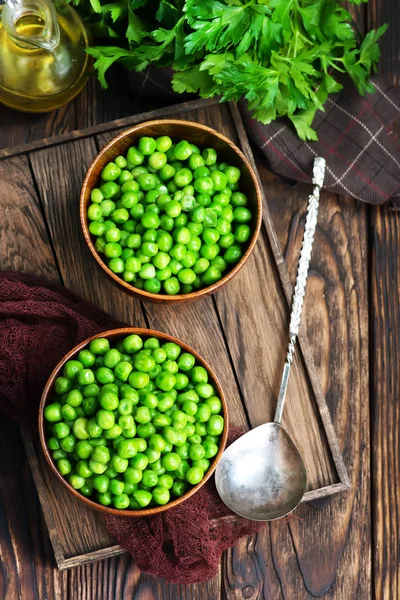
(262,476)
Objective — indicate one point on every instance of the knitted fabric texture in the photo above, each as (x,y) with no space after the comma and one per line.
(39,323)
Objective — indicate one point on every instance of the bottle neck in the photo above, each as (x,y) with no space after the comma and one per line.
(35,17)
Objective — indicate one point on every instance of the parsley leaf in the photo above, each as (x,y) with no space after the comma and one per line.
(282,56)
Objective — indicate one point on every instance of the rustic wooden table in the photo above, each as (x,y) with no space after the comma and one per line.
(344,548)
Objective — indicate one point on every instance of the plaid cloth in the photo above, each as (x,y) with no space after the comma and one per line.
(355,138)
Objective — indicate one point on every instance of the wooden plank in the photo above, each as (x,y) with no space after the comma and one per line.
(61,192)
(303,342)
(385,405)
(79,134)
(25,548)
(21,225)
(385,318)
(92,106)
(60,195)
(327,549)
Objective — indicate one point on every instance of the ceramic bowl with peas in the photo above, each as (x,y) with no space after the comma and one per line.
(171,210)
(133,421)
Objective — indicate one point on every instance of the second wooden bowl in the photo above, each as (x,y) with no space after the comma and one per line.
(202,136)
(115,335)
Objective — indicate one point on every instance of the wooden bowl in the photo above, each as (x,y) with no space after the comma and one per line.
(115,335)
(202,136)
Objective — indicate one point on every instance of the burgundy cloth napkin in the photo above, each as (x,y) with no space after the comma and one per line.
(39,323)
(355,138)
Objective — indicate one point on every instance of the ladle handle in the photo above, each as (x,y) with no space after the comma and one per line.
(301,280)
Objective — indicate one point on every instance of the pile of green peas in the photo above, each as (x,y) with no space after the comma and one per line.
(134,425)
(169,218)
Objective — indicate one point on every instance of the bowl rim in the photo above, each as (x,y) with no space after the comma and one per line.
(141,292)
(114,333)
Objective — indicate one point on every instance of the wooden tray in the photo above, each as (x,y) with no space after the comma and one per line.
(241,331)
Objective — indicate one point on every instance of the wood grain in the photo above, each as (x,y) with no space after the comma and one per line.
(58,172)
(385,319)
(21,223)
(256,568)
(331,547)
(91,107)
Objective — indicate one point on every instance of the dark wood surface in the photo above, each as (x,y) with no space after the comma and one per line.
(249,366)
(344,549)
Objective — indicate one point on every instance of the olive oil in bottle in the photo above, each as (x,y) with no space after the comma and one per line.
(43,63)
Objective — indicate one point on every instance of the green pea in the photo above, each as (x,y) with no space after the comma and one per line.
(146,145)
(183,150)
(142,497)
(62,385)
(126,404)
(64,466)
(99,346)
(94,442)
(101,483)
(157,442)
(199,375)
(105,418)
(196,451)
(61,430)
(132,343)
(83,469)
(189,429)
(53,412)
(105,498)
(203,411)
(108,400)
(71,369)
(87,358)
(109,190)
(68,443)
(139,380)
(59,454)
(135,156)
(96,196)
(149,478)
(118,463)
(181,381)
(202,463)
(204,185)
(146,430)
(113,432)
(76,481)
(104,375)
(210,156)
(215,405)
(194,439)
(90,391)
(161,495)
(194,475)
(210,448)
(181,471)
(165,481)
(183,451)
(215,425)
(83,449)
(179,488)
(232,174)
(116,487)
(139,462)
(165,381)
(126,449)
(53,443)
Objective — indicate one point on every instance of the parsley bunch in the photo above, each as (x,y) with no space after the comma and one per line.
(283,56)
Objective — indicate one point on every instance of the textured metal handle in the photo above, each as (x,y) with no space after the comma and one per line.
(301,280)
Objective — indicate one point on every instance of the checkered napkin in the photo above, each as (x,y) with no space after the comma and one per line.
(355,138)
